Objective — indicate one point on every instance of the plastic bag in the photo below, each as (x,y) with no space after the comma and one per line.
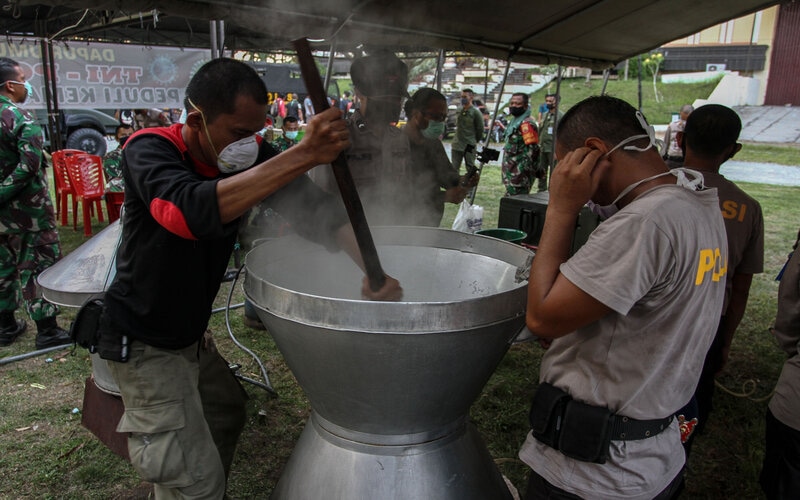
(469,218)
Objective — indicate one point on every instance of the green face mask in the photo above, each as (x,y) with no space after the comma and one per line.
(434,130)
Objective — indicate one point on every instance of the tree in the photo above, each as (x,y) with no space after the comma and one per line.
(653,64)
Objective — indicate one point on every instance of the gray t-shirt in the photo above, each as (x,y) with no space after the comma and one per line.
(659,265)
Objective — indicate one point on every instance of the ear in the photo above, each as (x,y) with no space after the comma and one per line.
(736,148)
(194,120)
(596,143)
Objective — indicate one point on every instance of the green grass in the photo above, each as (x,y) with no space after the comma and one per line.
(673,95)
(765,153)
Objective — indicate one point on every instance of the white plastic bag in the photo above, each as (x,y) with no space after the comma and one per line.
(469,217)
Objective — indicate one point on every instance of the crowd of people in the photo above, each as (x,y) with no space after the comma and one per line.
(635,325)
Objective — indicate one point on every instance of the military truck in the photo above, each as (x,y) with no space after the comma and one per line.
(84,129)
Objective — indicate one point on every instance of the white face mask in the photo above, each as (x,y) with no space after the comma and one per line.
(694,184)
(606,211)
(236,156)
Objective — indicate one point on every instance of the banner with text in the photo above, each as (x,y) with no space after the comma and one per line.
(108,76)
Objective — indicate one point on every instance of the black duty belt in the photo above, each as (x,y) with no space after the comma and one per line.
(675,158)
(630,429)
(583,431)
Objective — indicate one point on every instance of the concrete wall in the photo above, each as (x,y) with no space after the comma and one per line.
(732,90)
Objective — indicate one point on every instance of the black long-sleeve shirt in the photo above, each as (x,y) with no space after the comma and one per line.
(175,249)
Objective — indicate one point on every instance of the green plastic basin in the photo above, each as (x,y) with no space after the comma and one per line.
(512,235)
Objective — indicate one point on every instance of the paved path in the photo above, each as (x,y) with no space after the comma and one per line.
(780,124)
(761,173)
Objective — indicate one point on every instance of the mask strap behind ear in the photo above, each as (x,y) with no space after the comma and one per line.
(651,135)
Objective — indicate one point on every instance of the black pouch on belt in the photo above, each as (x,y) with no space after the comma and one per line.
(84,328)
(586,432)
(547,409)
(112,344)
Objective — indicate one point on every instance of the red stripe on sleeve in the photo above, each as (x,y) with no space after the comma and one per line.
(171,218)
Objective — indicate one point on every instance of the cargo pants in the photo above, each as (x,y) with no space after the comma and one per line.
(184,411)
(23,256)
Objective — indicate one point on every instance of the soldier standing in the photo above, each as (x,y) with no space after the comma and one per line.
(546,132)
(521,152)
(469,132)
(28,237)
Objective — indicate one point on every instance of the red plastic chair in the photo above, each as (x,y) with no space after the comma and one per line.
(86,175)
(64,187)
(114,201)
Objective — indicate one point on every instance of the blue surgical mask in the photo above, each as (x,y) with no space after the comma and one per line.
(434,130)
(28,89)
(464,101)
(291,134)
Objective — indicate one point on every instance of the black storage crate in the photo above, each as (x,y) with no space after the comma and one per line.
(527,212)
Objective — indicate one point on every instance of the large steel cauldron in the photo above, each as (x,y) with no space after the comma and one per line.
(391,383)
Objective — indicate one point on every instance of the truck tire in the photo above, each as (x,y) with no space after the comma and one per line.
(89,140)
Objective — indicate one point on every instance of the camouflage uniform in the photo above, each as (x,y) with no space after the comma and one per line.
(281,144)
(113,171)
(28,237)
(520,161)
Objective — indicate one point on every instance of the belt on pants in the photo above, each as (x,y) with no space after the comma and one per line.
(631,429)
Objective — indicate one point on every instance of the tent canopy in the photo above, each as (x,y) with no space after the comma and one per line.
(593,33)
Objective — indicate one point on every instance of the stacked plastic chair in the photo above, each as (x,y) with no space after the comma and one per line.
(86,175)
(64,187)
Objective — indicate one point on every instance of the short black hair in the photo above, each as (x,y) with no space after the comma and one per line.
(290,119)
(121,126)
(607,118)
(8,69)
(217,84)
(525,97)
(421,98)
(468,91)
(711,129)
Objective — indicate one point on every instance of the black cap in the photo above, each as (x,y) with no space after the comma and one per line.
(380,74)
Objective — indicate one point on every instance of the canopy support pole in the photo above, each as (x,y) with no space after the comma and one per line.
(217,32)
(329,69)
(439,68)
(486,139)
